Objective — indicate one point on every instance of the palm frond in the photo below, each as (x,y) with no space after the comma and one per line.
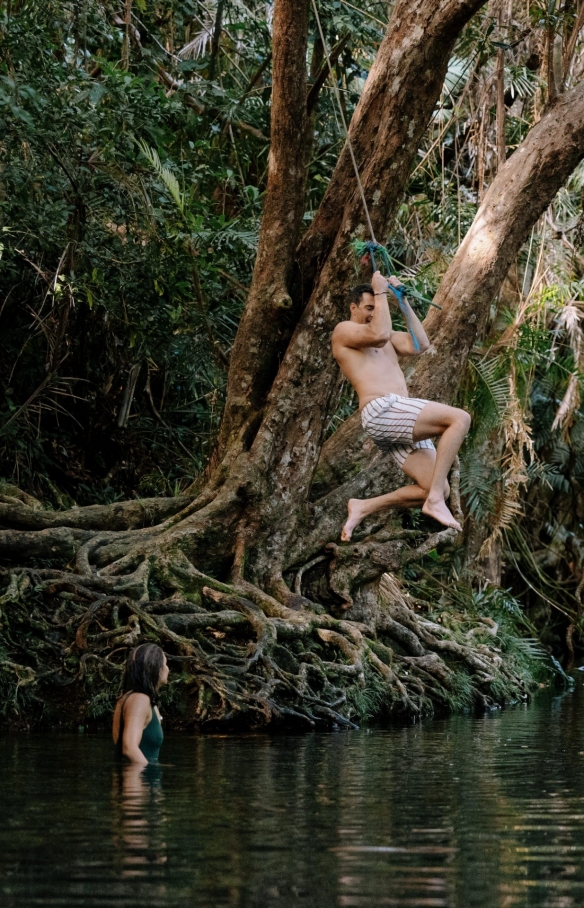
(521,82)
(478,483)
(569,405)
(197,46)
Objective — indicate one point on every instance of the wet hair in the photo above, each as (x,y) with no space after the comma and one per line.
(142,671)
(357,292)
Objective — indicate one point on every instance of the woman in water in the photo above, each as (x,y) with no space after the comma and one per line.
(137,731)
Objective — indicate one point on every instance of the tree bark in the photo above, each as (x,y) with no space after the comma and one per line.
(270,485)
(386,129)
(122,515)
(268,304)
(216,39)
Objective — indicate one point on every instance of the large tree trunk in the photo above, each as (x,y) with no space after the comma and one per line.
(268,304)
(397,102)
(399,97)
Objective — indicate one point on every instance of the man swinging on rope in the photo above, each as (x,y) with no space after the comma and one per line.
(366,349)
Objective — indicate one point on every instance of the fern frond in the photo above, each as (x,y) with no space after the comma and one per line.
(489,371)
(479,483)
(165,174)
(530,647)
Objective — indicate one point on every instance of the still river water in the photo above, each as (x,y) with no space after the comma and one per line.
(457,812)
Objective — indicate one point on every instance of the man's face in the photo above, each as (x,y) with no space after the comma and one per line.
(363,313)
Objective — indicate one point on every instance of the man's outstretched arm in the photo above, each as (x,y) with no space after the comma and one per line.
(401,340)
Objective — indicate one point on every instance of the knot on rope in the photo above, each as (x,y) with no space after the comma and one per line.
(370,249)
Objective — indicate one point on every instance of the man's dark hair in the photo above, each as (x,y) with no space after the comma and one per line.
(357,292)
(142,672)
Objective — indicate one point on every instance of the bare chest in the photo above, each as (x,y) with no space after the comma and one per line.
(375,357)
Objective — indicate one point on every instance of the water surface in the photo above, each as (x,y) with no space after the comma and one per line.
(461,812)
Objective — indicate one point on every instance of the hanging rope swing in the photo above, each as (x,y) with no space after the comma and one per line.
(369,249)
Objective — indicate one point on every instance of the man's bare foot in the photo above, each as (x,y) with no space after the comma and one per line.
(438,509)
(357,512)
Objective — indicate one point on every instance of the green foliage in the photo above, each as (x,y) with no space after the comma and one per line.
(133,213)
(369,702)
(96,237)
(102,701)
(486,614)
(165,174)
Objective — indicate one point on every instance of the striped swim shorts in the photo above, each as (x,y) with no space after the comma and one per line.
(390,422)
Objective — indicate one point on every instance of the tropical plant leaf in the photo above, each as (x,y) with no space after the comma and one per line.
(489,371)
(165,174)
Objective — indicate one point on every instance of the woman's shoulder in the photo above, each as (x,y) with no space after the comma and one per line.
(134,700)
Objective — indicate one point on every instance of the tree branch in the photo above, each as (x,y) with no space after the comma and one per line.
(324,71)
(268,306)
(522,190)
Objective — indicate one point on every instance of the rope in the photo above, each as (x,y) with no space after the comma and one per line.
(371,247)
(344,122)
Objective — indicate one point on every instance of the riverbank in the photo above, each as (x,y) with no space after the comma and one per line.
(395,655)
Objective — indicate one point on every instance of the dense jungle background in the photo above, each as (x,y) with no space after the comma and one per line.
(137,183)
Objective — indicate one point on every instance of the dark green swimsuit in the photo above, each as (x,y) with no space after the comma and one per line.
(152,736)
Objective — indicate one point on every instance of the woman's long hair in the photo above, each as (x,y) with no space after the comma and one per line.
(142,671)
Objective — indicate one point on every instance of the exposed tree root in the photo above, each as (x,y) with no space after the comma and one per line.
(237,656)
(352,645)
(22,512)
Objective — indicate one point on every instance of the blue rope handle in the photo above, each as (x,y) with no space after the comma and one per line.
(400,291)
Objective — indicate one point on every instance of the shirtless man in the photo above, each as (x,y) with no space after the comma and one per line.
(367,349)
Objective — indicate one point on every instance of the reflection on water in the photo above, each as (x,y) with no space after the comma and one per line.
(138,830)
(450,813)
